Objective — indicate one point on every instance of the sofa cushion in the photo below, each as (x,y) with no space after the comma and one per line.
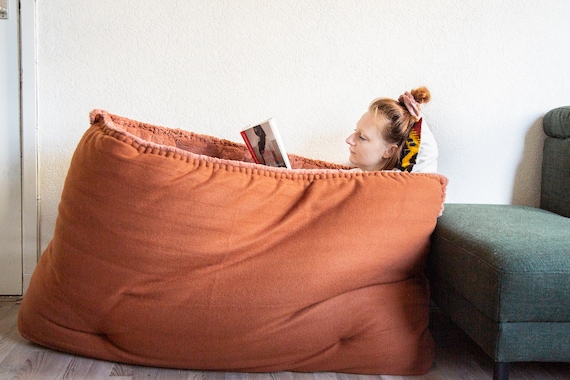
(512,263)
(556,123)
(170,250)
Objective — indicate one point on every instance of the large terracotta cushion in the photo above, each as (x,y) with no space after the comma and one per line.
(170,250)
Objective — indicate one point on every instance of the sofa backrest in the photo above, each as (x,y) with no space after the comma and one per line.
(555,188)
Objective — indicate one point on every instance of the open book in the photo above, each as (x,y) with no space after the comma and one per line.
(264,143)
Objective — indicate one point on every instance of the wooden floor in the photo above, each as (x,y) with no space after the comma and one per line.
(457,357)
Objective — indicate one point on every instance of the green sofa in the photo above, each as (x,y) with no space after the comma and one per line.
(502,272)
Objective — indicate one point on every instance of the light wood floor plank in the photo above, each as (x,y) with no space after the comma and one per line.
(47,364)
(91,369)
(122,370)
(8,321)
(78,367)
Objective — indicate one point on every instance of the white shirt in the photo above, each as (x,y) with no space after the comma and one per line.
(426,161)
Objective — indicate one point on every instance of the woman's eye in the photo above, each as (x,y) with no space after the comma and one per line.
(362,137)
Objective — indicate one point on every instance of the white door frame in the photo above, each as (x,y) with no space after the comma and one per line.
(29,138)
(10,157)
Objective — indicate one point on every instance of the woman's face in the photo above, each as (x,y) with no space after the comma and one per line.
(368,149)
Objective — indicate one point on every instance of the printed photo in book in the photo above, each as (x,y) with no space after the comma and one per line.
(265,145)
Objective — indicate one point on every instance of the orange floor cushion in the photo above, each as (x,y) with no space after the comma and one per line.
(173,249)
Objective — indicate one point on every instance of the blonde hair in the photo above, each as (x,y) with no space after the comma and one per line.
(399,121)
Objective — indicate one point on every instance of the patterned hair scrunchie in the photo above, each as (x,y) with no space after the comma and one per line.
(413,107)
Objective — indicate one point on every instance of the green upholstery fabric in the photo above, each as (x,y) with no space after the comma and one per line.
(556,123)
(555,195)
(502,273)
(511,262)
(504,341)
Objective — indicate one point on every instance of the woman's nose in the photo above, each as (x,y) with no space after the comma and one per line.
(350,139)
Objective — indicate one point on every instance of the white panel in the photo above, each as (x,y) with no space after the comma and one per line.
(10,169)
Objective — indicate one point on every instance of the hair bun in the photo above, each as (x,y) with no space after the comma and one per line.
(421,95)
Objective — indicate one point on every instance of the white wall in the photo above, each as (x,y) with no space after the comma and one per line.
(212,66)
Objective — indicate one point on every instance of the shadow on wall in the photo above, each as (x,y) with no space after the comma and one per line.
(526,191)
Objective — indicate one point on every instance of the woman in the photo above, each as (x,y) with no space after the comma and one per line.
(391,135)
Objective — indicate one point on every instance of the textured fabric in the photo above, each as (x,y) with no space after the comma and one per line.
(411,148)
(555,187)
(170,250)
(556,123)
(511,262)
(428,155)
(420,153)
(503,341)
